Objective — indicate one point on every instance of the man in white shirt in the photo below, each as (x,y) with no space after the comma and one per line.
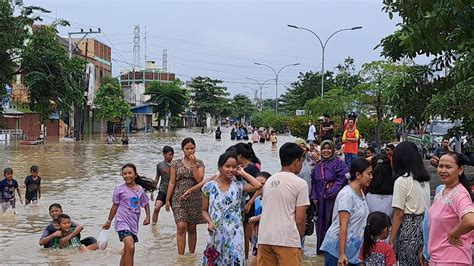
(311,133)
(283,219)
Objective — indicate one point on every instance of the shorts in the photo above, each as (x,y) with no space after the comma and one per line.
(124,233)
(254,240)
(161,196)
(88,241)
(6,204)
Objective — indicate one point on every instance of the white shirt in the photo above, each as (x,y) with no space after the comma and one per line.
(311,132)
(282,193)
(411,196)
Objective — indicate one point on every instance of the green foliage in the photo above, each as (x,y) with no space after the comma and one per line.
(53,81)
(13,36)
(299,125)
(208,98)
(337,103)
(368,129)
(268,119)
(242,106)
(169,97)
(442,29)
(307,87)
(110,101)
(408,90)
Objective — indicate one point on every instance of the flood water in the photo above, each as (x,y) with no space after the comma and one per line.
(81,176)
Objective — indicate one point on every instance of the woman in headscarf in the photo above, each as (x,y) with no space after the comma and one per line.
(328,177)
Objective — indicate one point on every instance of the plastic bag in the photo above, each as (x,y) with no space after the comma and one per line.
(103,239)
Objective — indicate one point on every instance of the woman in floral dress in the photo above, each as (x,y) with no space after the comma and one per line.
(221,208)
(184,174)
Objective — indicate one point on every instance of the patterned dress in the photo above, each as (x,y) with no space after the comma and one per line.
(225,212)
(186,210)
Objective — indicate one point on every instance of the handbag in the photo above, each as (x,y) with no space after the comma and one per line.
(211,253)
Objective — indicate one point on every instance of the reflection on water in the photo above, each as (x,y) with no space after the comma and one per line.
(82,175)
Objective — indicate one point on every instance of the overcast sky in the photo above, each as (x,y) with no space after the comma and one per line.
(223,39)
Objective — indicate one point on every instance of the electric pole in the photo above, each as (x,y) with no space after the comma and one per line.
(77,113)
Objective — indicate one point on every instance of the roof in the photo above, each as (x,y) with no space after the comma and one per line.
(11,113)
(143,109)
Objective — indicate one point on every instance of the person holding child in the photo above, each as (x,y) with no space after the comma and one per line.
(32,185)
(262,177)
(49,232)
(66,230)
(128,199)
(221,208)
(7,189)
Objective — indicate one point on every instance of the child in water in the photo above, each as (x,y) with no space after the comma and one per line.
(7,188)
(254,220)
(56,210)
(32,186)
(375,251)
(128,199)
(273,138)
(65,230)
(221,208)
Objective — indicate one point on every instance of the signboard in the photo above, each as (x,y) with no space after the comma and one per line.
(300,112)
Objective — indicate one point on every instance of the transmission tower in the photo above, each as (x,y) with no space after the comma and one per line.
(136,47)
(165,60)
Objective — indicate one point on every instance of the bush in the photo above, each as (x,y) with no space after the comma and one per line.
(367,128)
(269,119)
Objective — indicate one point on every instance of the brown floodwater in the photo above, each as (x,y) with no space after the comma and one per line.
(81,176)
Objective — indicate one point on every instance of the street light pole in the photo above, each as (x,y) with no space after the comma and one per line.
(261,89)
(276,80)
(323,47)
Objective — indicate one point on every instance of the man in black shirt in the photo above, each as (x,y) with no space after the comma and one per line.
(327,128)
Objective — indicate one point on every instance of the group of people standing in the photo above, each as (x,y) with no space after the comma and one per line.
(257,135)
(378,210)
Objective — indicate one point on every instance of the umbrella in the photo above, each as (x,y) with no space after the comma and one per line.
(211,252)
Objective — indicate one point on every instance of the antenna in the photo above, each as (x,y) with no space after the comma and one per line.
(145,45)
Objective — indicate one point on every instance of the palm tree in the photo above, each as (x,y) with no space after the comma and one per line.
(170,98)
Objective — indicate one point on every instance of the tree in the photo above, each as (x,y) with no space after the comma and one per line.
(347,78)
(169,97)
(242,106)
(408,90)
(308,86)
(336,103)
(441,29)
(111,102)
(53,81)
(14,34)
(208,98)
(377,76)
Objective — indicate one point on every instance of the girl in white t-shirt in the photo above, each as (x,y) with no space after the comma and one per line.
(344,238)
(380,193)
